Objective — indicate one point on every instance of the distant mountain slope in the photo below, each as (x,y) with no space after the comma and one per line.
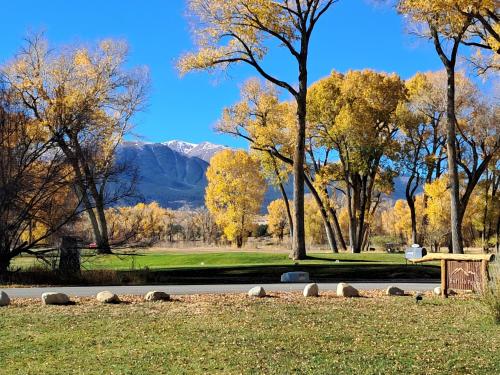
(167,176)
(173,173)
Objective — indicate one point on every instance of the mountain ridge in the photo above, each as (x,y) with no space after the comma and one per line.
(172,173)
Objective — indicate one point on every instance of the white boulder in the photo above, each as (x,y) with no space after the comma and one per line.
(257,291)
(295,277)
(51,298)
(346,290)
(156,296)
(437,291)
(311,290)
(394,291)
(107,297)
(4,299)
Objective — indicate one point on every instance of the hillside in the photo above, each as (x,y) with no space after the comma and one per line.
(173,173)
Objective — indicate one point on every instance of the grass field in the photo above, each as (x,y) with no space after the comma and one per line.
(166,260)
(157,267)
(283,334)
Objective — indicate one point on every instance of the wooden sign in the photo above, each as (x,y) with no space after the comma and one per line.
(461,272)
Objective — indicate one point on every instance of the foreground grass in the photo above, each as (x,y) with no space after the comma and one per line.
(286,334)
(166,260)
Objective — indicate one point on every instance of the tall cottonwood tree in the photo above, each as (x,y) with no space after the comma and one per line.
(269,126)
(237,31)
(85,99)
(358,114)
(234,193)
(423,143)
(447,28)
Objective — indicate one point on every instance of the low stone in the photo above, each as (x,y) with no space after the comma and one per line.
(311,290)
(346,290)
(394,291)
(156,296)
(107,297)
(437,291)
(51,298)
(4,299)
(295,277)
(257,291)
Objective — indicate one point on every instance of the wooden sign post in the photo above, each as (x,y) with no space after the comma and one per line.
(466,272)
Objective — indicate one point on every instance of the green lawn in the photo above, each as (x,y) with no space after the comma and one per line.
(166,260)
(286,334)
(156,267)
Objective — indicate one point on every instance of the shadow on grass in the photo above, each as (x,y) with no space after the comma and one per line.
(232,275)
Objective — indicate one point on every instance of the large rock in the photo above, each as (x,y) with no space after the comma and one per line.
(156,296)
(295,277)
(55,299)
(107,297)
(437,291)
(311,290)
(4,299)
(346,290)
(394,291)
(257,291)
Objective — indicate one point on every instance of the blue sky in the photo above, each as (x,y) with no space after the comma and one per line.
(354,35)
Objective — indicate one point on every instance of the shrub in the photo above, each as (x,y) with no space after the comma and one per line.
(491,294)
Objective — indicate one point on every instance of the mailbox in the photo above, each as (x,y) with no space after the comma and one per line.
(415,252)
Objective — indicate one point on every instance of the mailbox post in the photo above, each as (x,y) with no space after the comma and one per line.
(461,271)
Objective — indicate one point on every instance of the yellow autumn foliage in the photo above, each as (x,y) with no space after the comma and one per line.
(234,193)
(277,219)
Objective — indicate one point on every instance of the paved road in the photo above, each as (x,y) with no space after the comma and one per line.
(83,291)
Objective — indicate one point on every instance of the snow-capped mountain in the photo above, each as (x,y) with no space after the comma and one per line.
(180,146)
(165,175)
(172,173)
(204,150)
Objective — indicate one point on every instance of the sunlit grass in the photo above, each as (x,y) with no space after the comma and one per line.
(165,260)
(286,334)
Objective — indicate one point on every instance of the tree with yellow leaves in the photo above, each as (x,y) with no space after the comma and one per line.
(315,228)
(36,197)
(398,220)
(142,224)
(450,23)
(358,115)
(269,126)
(236,31)
(277,217)
(234,193)
(85,100)
(483,34)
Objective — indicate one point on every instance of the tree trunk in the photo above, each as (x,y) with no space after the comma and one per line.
(332,243)
(103,246)
(4,265)
(413,216)
(324,216)
(82,190)
(69,259)
(239,241)
(498,236)
(336,226)
(451,146)
(298,242)
(287,206)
